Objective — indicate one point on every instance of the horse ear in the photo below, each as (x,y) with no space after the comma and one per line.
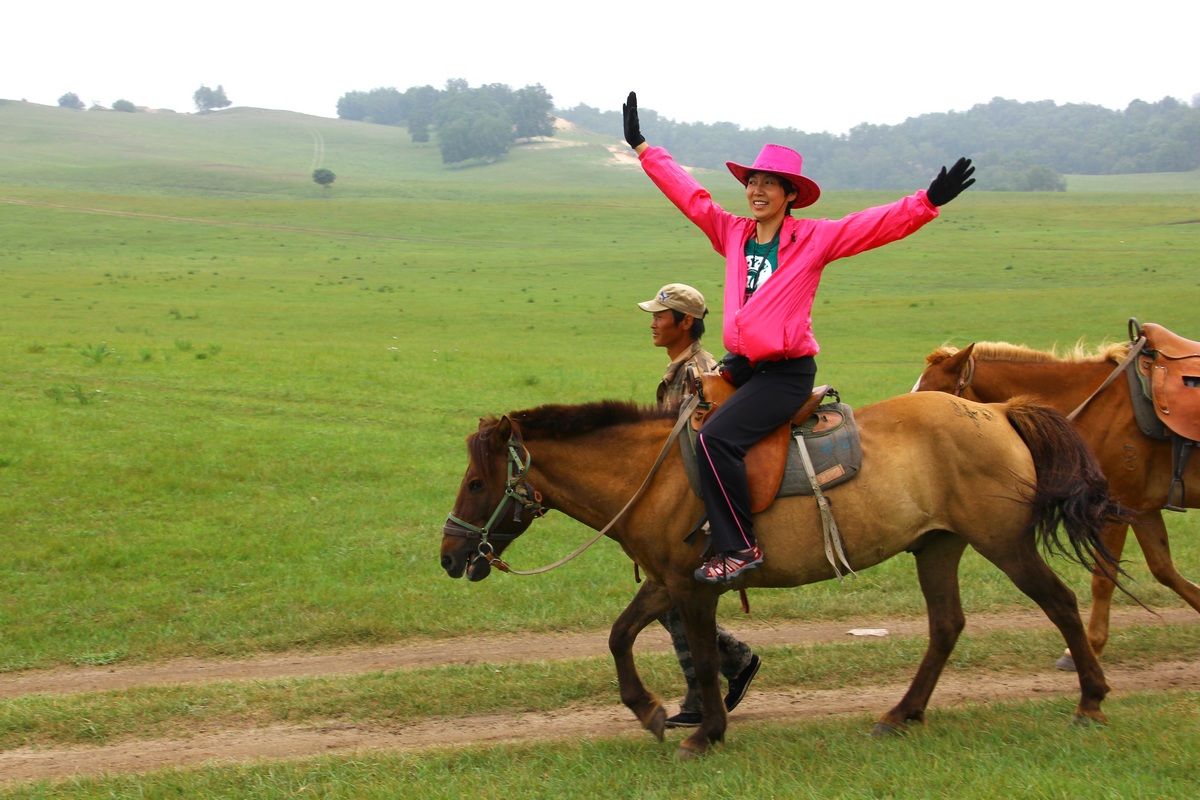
(959,360)
(502,432)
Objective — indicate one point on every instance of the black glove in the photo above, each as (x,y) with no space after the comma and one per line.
(949,185)
(633,128)
(735,369)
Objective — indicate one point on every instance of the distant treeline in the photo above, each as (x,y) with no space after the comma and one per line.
(1024,146)
(471,124)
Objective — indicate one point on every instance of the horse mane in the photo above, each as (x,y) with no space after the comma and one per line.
(558,421)
(1003,351)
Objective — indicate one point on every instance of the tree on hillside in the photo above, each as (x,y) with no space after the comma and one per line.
(71,100)
(422,102)
(323,178)
(531,112)
(123,105)
(383,106)
(472,125)
(207,99)
(418,126)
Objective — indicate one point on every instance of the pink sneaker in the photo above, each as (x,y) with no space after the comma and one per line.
(725,567)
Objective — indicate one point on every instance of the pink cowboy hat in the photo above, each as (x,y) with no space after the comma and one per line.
(782,161)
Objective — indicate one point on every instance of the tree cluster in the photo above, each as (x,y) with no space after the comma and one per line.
(470,123)
(71,100)
(1019,146)
(207,99)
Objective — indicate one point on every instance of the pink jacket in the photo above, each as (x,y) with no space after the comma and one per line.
(777,320)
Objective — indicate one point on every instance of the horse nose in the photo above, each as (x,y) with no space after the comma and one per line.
(447,562)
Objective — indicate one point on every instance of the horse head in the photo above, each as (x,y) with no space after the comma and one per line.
(495,503)
(949,370)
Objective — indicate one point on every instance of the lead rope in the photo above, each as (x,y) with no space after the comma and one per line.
(685,414)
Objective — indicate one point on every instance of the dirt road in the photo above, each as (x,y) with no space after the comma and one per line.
(282,742)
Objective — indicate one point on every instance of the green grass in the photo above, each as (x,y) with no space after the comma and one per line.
(233,411)
(1151,182)
(236,425)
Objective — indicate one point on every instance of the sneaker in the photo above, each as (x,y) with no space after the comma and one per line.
(739,684)
(725,567)
(684,719)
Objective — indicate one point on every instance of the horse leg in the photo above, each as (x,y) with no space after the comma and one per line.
(1102,591)
(1032,575)
(937,570)
(650,603)
(699,612)
(1151,534)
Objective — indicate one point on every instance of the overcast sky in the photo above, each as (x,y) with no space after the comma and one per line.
(812,66)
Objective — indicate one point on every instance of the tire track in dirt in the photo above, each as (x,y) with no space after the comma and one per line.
(292,742)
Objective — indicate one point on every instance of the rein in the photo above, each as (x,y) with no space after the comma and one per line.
(485,548)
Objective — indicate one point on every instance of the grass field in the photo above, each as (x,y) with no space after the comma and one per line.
(233,403)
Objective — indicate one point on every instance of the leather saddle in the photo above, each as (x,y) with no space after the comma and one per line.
(1170,366)
(767,459)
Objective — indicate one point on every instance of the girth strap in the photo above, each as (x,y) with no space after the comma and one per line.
(1181,449)
(833,536)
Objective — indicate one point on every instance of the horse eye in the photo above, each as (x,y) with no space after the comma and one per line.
(475,485)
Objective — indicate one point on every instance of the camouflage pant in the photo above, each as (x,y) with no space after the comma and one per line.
(735,657)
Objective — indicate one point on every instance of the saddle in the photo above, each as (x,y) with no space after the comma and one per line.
(1170,366)
(766,461)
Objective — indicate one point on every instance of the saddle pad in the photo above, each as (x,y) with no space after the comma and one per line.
(831,436)
(1143,408)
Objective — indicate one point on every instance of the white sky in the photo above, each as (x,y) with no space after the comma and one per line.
(814,66)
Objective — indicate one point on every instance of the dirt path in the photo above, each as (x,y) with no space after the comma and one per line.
(281,742)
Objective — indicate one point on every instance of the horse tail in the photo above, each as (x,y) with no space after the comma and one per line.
(1070,492)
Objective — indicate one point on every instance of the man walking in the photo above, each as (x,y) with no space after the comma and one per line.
(677,326)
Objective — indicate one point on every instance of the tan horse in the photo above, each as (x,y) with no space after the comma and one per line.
(938,473)
(1138,467)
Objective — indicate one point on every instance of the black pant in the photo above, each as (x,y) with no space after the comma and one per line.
(768,399)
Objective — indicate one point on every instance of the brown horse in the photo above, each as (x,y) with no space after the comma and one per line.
(1138,467)
(938,473)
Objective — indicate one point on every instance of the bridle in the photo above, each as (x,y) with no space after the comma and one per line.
(517,492)
(964,377)
(1137,342)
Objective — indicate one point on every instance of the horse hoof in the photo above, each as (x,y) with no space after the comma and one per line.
(882,729)
(1088,720)
(1066,663)
(685,753)
(657,724)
